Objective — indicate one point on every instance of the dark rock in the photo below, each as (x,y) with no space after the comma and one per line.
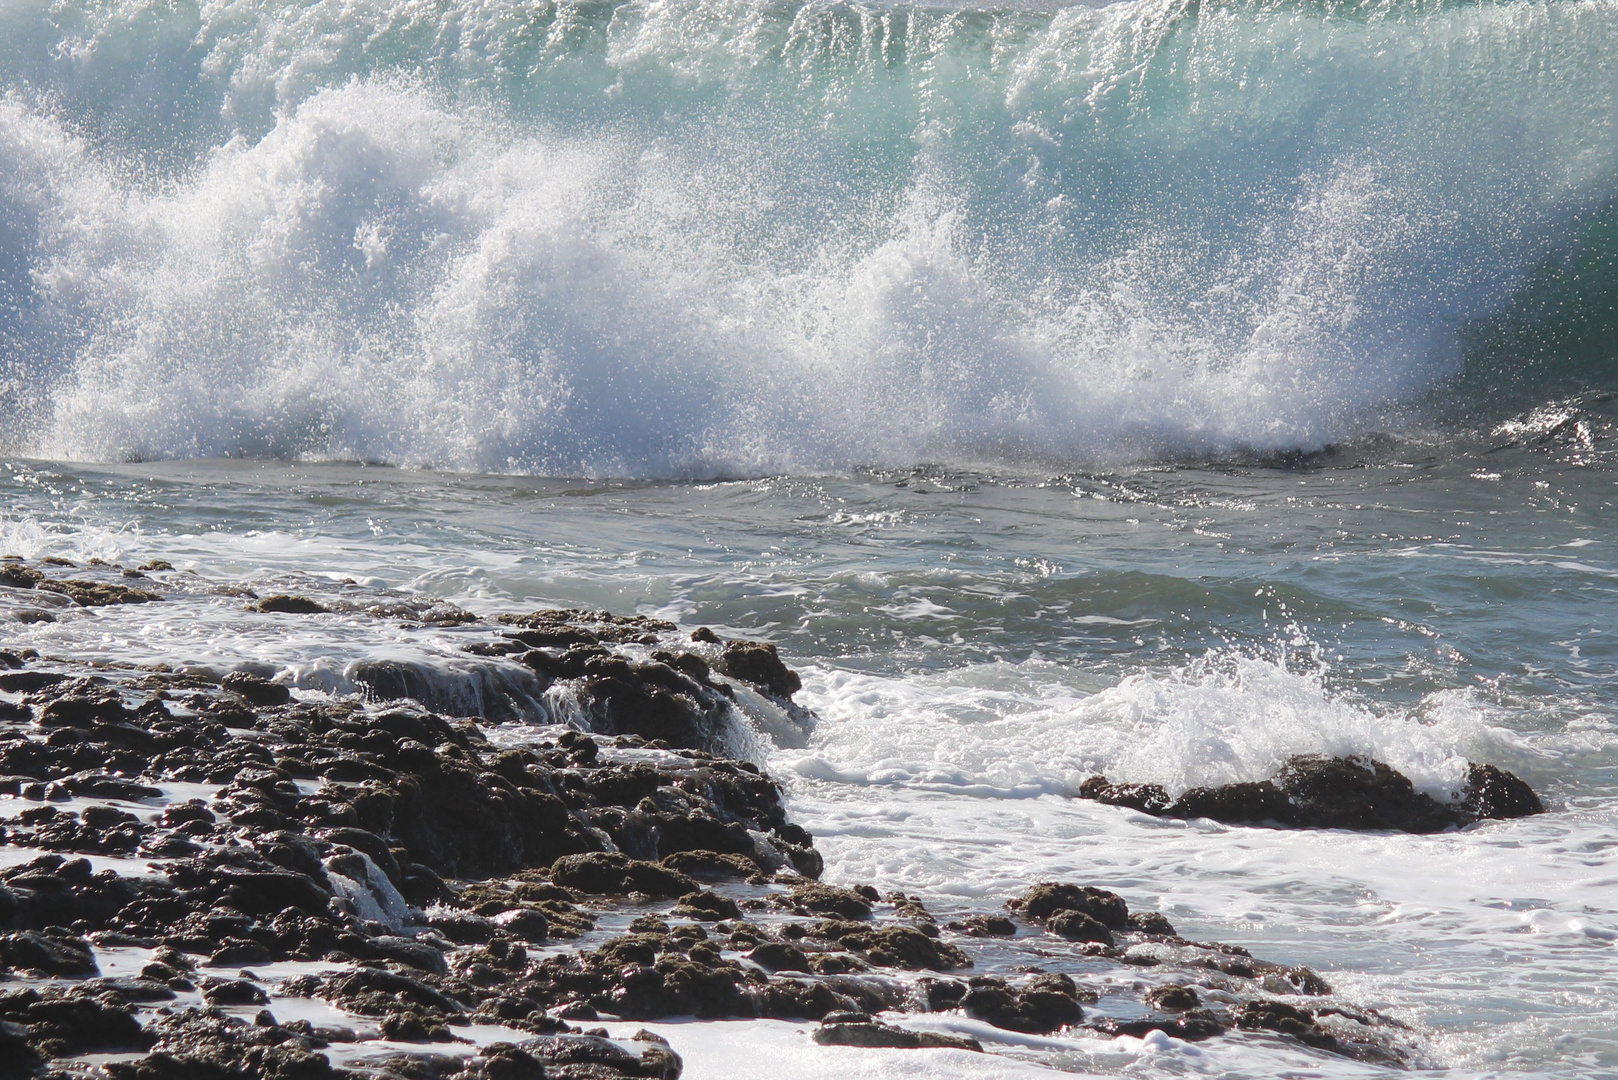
(757,662)
(869,1033)
(1147,798)
(1173,998)
(830,900)
(1318,792)
(901,947)
(1047,1004)
(985,926)
(17,1058)
(97,593)
(779,956)
(290,605)
(256,690)
(1249,803)
(64,1022)
(587,1057)
(1494,793)
(711,865)
(233,992)
(1078,926)
(53,951)
(615,874)
(1191,1026)
(1150,922)
(526,924)
(1285,1019)
(1045,900)
(707,906)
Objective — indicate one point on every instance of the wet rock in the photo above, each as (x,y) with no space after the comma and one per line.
(1319,792)
(233,992)
(779,956)
(1047,900)
(1150,922)
(895,946)
(1285,1019)
(1046,1004)
(1494,793)
(758,663)
(1147,798)
(62,1022)
(17,1058)
(207,1045)
(525,924)
(52,951)
(97,593)
(256,690)
(711,865)
(1078,926)
(377,992)
(984,926)
(1173,998)
(587,1057)
(830,900)
(290,605)
(868,1033)
(1251,803)
(1191,1026)
(707,906)
(618,875)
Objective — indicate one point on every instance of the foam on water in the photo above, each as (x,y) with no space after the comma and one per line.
(725,237)
(1472,614)
(1028,729)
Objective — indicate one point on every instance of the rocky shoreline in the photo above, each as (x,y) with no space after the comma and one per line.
(206,875)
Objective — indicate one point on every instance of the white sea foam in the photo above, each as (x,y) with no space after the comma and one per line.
(1030,729)
(724,237)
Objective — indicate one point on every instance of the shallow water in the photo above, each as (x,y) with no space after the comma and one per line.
(975,646)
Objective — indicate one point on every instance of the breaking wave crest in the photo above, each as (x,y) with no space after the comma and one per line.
(722,237)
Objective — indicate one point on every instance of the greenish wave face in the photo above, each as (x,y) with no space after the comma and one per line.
(719,238)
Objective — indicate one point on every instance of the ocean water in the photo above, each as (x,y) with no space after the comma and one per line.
(1159,389)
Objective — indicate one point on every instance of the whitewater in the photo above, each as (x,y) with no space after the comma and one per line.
(1160,389)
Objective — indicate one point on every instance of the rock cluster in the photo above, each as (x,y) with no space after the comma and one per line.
(430,878)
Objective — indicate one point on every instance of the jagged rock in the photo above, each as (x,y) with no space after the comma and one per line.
(1147,798)
(615,874)
(1319,792)
(405,847)
(257,690)
(1078,926)
(1173,997)
(1494,793)
(895,946)
(53,951)
(1046,1004)
(831,900)
(868,1033)
(58,1022)
(1047,900)
(1286,1019)
(758,663)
